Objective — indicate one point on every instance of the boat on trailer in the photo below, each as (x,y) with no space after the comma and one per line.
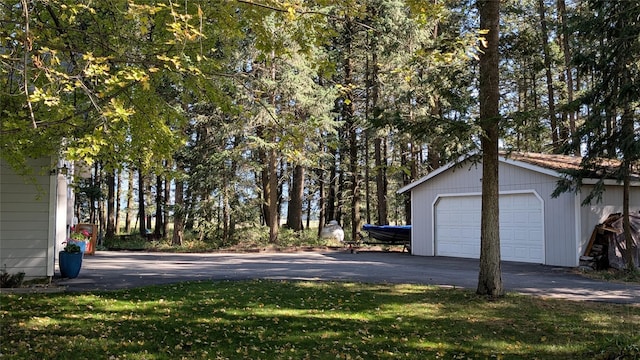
(388,234)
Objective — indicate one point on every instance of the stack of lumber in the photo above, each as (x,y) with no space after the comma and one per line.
(607,244)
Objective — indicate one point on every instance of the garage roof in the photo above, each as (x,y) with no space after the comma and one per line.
(550,164)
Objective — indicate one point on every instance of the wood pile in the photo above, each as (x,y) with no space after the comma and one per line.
(607,244)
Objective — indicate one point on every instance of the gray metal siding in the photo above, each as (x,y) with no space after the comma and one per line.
(421,225)
(559,214)
(464,179)
(596,213)
(24,221)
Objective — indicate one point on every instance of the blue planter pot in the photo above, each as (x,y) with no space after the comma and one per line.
(70,264)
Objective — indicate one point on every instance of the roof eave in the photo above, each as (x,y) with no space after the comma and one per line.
(434,173)
(528,166)
(609,182)
(505,159)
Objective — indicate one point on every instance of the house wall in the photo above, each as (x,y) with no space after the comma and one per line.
(559,214)
(597,212)
(26,221)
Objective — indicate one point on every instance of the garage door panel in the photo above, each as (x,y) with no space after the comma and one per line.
(519,237)
(523,254)
(457,227)
(509,234)
(515,254)
(460,250)
(537,254)
(471,250)
(506,216)
(470,233)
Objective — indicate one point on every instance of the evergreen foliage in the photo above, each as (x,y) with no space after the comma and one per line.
(232,101)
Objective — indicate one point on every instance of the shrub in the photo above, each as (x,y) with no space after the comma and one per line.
(10,280)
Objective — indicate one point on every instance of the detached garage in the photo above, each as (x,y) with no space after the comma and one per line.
(534,227)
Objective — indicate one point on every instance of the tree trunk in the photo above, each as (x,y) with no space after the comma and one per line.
(309,199)
(566,52)
(367,177)
(118,197)
(129,215)
(351,127)
(282,171)
(627,144)
(102,215)
(93,216)
(178,213)
(332,196)
(271,192)
(547,65)
(367,135)
(226,211)
(379,159)
(189,200)
(141,210)
(165,206)
(111,205)
(356,221)
(264,180)
(490,276)
(269,182)
(157,231)
(321,200)
(205,198)
(435,145)
(294,214)
(381,182)
(433,154)
(406,179)
(340,189)
(630,246)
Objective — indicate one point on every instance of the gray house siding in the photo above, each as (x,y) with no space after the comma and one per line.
(26,222)
(33,218)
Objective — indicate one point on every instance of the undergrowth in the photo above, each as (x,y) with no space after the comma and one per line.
(244,238)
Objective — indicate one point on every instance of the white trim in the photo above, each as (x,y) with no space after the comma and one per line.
(434,173)
(577,211)
(506,160)
(544,225)
(433,223)
(479,193)
(509,192)
(423,179)
(413,220)
(52,231)
(528,166)
(608,182)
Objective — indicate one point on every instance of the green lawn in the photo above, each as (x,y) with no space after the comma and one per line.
(310,320)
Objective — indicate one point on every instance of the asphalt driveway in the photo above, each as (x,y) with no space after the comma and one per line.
(119,270)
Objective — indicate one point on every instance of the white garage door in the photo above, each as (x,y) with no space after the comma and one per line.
(457,227)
